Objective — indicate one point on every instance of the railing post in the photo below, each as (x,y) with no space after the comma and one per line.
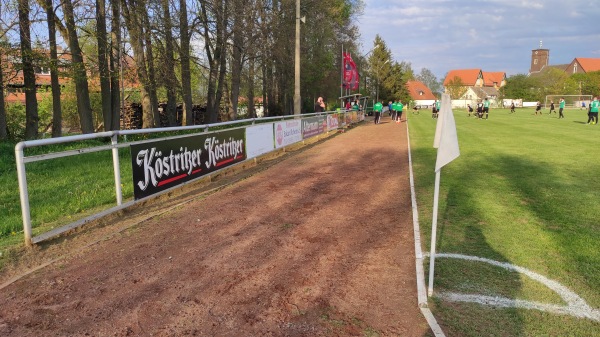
(24,195)
(117,169)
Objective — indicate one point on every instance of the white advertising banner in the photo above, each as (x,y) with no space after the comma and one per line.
(259,140)
(288,132)
(332,122)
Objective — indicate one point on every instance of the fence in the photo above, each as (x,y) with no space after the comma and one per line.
(167,163)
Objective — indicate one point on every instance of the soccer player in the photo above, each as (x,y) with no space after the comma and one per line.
(561,106)
(486,107)
(377,109)
(399,106)
(538,107)
(479,109)
(593,115)
(551,108)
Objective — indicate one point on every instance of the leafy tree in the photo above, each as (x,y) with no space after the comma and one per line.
(427,77)
(586,84)
(456,88)
(521,86)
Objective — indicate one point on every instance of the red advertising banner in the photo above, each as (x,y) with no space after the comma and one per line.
(351,78)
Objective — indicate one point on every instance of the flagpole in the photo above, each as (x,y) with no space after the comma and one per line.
(436,195)
(342,78)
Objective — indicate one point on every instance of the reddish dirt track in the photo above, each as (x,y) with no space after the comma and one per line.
(318,244)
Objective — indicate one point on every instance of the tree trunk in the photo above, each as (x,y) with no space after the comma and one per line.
(264,89)
(79,73)
(103,70)
(169,71)
(151,87)
(132,12)
(3,124)
(31,106)
(222,46)
(115,63)
(186,77)
(54,82)
(251,112)
(212,70)
(236,61)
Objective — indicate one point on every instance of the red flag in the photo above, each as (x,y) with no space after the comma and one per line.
(351,78)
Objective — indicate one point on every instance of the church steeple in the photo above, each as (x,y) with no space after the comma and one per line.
(539,59)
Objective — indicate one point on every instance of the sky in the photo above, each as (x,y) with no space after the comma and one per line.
(492,35)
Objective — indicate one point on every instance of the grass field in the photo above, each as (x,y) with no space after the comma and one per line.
(525,190)
(59,192)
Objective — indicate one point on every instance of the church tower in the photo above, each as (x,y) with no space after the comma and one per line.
(539,59)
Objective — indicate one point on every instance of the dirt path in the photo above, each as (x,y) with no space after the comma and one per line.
(319,244)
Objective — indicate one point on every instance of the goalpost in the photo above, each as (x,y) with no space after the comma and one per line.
(571,101)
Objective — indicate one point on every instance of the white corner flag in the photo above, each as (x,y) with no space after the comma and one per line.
(446,141)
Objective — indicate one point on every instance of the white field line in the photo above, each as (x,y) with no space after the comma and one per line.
(421,294)
(576,306)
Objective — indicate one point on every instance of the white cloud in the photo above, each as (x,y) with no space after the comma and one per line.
(495,35)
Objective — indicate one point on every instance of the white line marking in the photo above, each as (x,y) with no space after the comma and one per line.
(421,295)
(575,305)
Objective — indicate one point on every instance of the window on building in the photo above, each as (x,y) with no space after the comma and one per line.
(535,61)
(421,93)
(574,68)
(42,71)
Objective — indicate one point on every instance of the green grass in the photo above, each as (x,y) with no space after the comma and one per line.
(60,190)
(525,190)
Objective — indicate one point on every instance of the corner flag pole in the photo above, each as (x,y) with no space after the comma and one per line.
(436,194)
(446,141)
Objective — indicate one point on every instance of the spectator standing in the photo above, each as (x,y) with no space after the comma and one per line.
(561,106)
(320,105)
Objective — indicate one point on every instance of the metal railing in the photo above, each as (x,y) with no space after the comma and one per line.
(21,160)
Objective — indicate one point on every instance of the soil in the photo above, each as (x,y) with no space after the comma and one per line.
(316,242)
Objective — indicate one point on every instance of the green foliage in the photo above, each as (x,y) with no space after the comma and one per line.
(522,86)
(427,77)
(15,121)
(456,88)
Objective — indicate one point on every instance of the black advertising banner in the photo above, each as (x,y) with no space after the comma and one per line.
(160,165)
(313,126)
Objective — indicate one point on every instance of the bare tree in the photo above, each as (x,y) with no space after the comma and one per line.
(3,124)
(54,82)
(186,74)
(103,61)
(169,65)
(31,106)
(84,107)
(136,20)
(116,57)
